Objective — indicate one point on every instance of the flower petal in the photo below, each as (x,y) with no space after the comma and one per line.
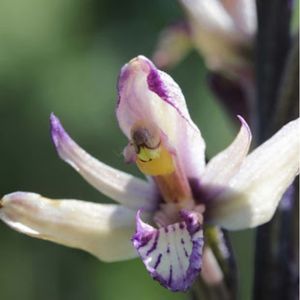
(216,34)
(171,254)
(243,12)
(121,187)
(173,45)
(254,193)
(223,166)
(147,94)
(103,230)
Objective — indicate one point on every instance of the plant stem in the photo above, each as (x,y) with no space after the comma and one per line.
(275,247)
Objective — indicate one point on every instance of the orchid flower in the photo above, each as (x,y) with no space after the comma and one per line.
(222,31)
(160,219)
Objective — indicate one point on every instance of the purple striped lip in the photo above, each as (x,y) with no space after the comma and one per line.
(171,254)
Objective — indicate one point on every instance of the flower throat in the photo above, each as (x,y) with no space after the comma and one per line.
(155,157)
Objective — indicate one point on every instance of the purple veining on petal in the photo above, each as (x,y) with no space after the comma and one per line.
(172,266)
(155,82)
(158,261)
(143,92)
(170,275)
(194,227)
(185,252)
(156,85)
(144,232)
(154,246)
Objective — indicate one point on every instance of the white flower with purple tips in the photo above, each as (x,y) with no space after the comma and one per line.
(160,219)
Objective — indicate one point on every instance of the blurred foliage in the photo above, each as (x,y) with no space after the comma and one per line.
(64,56)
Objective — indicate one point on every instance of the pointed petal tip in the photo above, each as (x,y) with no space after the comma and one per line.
(245,125)
(119,186)
(254,192)
(143,233)
(57,131)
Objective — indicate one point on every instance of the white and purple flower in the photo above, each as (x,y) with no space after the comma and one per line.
(166,211)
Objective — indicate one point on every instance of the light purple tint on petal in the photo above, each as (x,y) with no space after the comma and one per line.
(121,187)
(252,195)
(171,254)
(145,93)
(129,153)
(227,163)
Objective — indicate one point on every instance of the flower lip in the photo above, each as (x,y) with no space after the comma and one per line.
(171,254)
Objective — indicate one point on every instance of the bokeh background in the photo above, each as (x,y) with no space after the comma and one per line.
(64,56)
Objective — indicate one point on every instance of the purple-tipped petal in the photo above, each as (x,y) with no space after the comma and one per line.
(171,254)
(150,95)
(227,163)
(252,195)
(121,187)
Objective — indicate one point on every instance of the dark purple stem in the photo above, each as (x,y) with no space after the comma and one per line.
(272,46)
(275,276)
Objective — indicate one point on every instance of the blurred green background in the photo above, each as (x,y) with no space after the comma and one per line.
(64,56)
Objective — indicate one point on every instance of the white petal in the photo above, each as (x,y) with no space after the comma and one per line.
(254,193)
(216,34)
(223,166)
(210,14)
(103,230)
(243,12)
(121,187)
